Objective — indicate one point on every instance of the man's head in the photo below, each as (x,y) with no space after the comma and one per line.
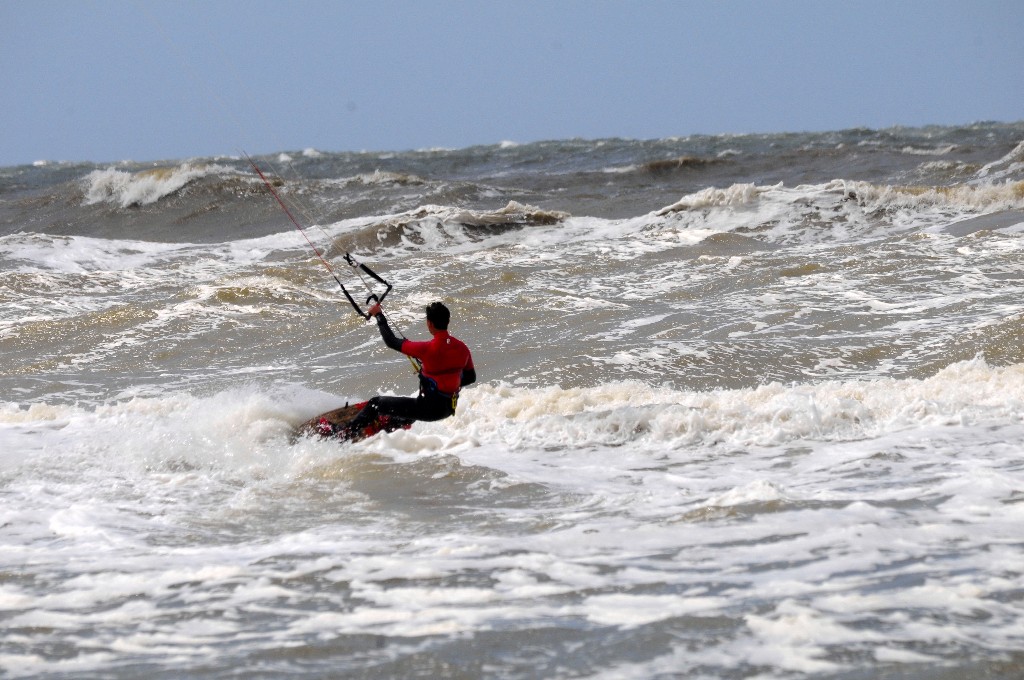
(438,315)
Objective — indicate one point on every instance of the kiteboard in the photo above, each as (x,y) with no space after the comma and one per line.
(335,424)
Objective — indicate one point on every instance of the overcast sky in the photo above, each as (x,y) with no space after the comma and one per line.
(156,80)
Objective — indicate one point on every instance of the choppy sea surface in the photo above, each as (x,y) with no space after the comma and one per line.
(749,406)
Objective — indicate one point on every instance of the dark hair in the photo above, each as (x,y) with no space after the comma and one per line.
(438,315)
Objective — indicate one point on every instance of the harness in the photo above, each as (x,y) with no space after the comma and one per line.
(429,390)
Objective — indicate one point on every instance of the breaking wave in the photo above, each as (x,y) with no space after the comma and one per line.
(126,189)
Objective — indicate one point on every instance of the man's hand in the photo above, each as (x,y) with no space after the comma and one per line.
(374,309)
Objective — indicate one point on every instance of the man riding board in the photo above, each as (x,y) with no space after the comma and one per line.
(446,366)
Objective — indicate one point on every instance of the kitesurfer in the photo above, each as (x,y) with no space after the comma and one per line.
(446,366)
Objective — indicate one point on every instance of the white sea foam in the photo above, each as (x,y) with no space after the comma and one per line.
(83,254)
(969,392)
(37,253)
(229,426)
(845,525)
(966,198)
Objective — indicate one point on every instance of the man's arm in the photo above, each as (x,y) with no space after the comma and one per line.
(468,373)
(390,339)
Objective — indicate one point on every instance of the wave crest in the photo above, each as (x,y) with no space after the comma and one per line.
(775,414)
(126,189)
(871,198)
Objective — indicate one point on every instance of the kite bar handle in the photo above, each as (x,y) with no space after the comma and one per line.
(373,296)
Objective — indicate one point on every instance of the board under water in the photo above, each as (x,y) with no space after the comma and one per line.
(337,424)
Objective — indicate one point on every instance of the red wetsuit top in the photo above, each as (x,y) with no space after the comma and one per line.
(446,361)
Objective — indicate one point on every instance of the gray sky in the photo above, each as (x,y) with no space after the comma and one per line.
(146,80)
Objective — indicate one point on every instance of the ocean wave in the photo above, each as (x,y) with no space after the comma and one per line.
(252,423)
(308,152)
(713,197)
(238,431)
(998,196)
(440,227)
(679,163)
(670,166)
(967,392)
(382,178)
(970,198)
(126,189)
(1009,165)
(34,253)
(937,151)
